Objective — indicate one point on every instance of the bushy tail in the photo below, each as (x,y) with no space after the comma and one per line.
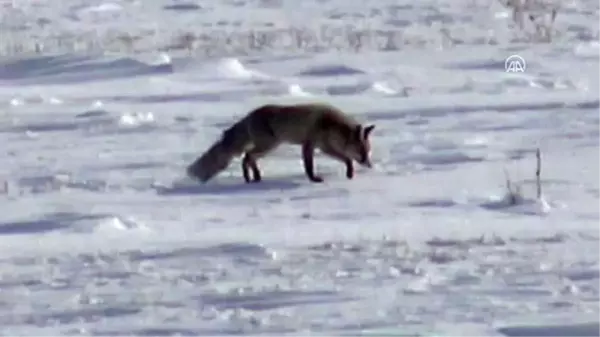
(232,143)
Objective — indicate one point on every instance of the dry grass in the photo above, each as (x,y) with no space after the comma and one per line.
(514,193)
(534,18)
(217,42)
(532,21)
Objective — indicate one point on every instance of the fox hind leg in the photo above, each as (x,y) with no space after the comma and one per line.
(249,161)
(247,164)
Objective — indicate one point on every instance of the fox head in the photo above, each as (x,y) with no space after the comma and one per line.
(358,145)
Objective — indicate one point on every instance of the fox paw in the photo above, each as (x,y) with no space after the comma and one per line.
(252,181)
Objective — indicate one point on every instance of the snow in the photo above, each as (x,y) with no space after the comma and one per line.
(102,233)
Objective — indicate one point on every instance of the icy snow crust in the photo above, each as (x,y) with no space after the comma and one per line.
(101,232)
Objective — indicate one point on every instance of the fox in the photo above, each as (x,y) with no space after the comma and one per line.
(311,126)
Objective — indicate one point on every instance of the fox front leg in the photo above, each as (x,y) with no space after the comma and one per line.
(308,154)
(347,161)
(349,168)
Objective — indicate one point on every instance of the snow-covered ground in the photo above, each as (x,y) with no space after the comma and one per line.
(101,232)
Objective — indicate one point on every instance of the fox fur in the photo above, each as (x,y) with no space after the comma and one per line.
(310,125)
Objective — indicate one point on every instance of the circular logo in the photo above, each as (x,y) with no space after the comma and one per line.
(515,64)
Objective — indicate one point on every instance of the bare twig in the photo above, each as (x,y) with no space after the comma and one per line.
(508,184)
(538,173)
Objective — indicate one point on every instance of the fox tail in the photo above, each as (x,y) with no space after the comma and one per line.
(233,142)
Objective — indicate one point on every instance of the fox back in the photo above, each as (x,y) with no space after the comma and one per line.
(327,127)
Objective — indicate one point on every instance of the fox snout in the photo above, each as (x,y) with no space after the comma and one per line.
(364,158)
(366,162)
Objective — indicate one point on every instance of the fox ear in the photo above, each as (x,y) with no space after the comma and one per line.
(367,130)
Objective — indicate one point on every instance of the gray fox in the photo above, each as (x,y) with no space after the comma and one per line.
(311,125)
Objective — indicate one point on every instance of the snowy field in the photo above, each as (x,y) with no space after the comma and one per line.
(104,104)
